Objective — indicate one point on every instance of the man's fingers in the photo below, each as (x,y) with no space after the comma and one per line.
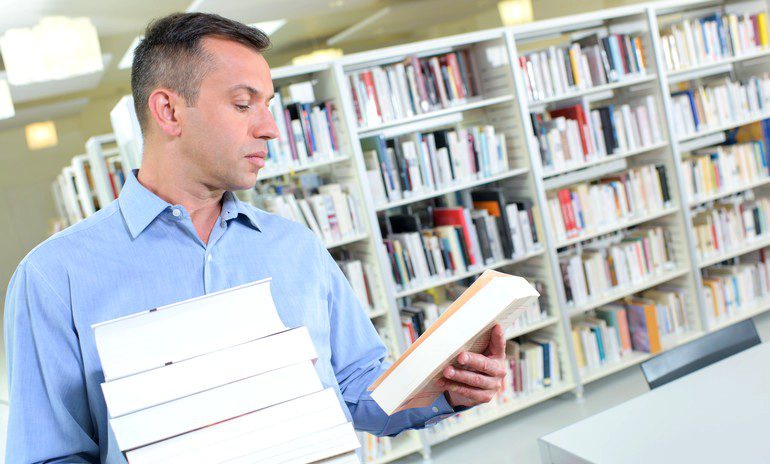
(481,363)
(473,379)
(496,347)
(475,394)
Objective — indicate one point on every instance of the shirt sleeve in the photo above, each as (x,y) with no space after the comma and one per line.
(49,418)
(358,360)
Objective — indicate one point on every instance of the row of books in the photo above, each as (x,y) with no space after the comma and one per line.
(412,87)
(591,61)
(718,103)
(730,223)
(711,170)
(640,323)
(608,202)
(424,162)
(237,385)
(697,41)
(374,447)
(307,130)
(425,309)
(533,365)
(568,138)
(116,174)
(332,213)
(457,240)
(730,290)
(622,260)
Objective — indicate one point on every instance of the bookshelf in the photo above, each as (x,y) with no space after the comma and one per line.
(505,99)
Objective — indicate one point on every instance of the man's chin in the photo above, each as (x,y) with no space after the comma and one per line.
(246,182)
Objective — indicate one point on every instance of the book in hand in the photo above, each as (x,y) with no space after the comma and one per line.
(151,339)
(411,382)
(232,391)
(257,431)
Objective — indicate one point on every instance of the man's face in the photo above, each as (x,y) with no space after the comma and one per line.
(224,137)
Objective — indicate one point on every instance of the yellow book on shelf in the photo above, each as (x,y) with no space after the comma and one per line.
(579,355)
(762,26)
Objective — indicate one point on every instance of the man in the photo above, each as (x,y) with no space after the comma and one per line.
(201,89)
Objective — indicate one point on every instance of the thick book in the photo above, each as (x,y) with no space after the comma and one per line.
(257,431)
(466,325)
(209,407)
(146,389)
(171,333)
(317,447)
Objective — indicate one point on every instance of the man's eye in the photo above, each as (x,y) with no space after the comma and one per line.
(242,107)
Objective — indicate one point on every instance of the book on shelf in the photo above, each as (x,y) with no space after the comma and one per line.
(308,130)
(359,274)
(593,60)
(617,261)
(569,138)
(515,221)
(191,391)
(636,324)
(418,85)
(421,311)
(717,36)
(719,102)
(494,298)
(608,202)
(730,290)
(331,212)
(730,223)
(422,163)
(712,170)
(457,240)
(374,447)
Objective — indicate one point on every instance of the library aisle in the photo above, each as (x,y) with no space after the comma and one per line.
(615,154)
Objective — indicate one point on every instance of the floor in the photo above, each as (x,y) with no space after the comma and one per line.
(514,439)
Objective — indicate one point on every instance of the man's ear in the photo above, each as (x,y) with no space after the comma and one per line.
(164,107)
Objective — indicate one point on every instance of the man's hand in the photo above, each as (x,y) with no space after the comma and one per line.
(481,375)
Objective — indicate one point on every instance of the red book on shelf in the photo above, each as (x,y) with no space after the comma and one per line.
(454,68)
(575,113)
(456,217)
(565,200)
(371,92)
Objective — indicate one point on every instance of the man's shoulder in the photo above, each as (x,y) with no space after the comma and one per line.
(92,231)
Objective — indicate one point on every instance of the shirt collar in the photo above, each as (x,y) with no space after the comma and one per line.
(140,206)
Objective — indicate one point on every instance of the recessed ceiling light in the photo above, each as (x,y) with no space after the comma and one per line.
(269,27)
(128,58)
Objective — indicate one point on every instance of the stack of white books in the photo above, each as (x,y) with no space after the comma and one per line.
(218,379)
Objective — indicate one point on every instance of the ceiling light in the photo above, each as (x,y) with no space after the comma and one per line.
(318,56)
(515,11)
(41,135)
(269,27)
(128,58)
(55,48)
(6,104)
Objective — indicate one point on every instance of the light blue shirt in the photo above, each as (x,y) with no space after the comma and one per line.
(139,253)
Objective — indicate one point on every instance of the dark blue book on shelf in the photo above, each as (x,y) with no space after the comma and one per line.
(691,99)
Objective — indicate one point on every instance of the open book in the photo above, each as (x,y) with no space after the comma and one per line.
(466,325)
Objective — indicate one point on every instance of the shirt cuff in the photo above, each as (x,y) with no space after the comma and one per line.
(443,409)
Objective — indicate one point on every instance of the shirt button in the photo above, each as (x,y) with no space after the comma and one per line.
(223,223)
(176,212)
(435,409)
(208,258)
